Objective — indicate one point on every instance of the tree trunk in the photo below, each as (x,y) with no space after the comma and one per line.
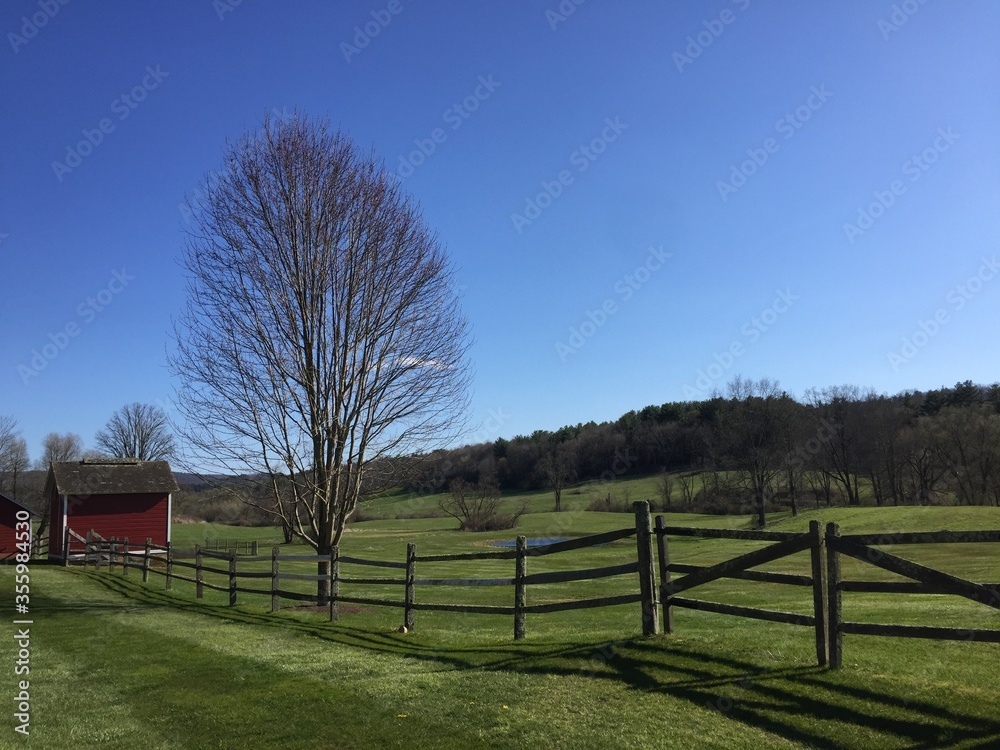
(323,584)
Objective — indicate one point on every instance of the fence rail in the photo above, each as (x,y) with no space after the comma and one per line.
(782,545)
(658,599)
(112,552)
(232,545)
(924,580)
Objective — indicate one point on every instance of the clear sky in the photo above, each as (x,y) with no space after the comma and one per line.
(642,199)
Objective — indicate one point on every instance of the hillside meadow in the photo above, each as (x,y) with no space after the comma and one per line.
(117,663)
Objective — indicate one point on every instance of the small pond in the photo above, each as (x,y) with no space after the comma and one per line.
(533,542)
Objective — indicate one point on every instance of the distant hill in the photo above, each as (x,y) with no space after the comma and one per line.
(198,482)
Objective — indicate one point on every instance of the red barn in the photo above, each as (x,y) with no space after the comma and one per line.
(121,497)
(9,511)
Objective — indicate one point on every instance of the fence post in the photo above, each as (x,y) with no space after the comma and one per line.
(86,548)
(111,554)
(125,560)
(65,560)
(145,561)
(647,578)
(819,592)
(199,574)
(410,592)
(275,601)
(334,581)
(836,637)
(520,598)
(169,581)
(254,553)
(664,558)
(232,580)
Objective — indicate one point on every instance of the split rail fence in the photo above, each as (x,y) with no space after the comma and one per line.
(121,553)
(676,580)
(924,580)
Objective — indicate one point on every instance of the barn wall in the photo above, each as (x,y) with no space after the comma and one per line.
(133,516)
(8,534)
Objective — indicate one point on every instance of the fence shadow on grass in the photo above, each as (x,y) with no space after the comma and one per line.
(773,700)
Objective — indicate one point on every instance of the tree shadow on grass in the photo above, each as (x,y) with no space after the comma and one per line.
(810,705)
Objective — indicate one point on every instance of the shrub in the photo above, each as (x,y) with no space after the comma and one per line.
(477,507)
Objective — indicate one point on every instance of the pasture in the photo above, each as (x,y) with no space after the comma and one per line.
(118,663)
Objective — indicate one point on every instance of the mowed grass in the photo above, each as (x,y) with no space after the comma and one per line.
(117,663)
(401,504)
(622,490)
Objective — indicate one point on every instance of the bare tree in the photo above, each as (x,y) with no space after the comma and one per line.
(923,469)
(753,422)
(322,329)
(966,440)
(58,448)
(137,431)
(794,440)
(665,484)
(843,408)
(13,455)
(821,485)
(559,466)
(881,456)
(478,506)
(686,482)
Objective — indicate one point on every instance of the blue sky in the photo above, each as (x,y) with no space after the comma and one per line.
(642,199)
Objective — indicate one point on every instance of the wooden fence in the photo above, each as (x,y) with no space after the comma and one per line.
(924,580)
(824,578)
(783,544)
(114,553)
(521,579)
(239,546)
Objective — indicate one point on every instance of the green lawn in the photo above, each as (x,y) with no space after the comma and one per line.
(116,663)
(623,491)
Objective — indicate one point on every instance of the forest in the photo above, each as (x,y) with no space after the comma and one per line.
(755,443)
(749,449)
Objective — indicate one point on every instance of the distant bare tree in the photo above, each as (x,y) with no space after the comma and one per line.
(478,506)
(137,431)
(559,466)
(322,329)
(686,482)
(923,469)
(57,448)
(843,408)
(754,421)
(966,440)
(665,484)
(13,455)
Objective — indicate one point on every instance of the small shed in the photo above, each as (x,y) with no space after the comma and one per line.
(11,512)
(121,497)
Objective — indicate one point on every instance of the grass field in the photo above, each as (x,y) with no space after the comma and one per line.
(116,663)
(622,491)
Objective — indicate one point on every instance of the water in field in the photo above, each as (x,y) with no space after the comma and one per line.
(534,542)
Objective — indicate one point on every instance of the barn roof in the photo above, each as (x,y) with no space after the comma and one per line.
(107,476)
(12,501)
